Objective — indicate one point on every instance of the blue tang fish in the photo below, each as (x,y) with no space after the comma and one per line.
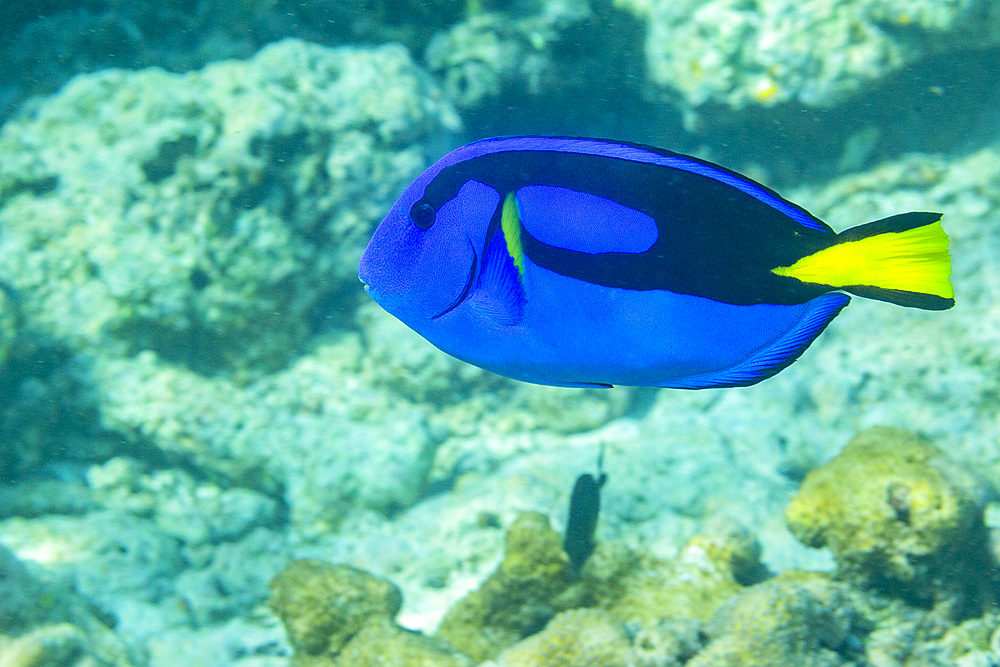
(586,262)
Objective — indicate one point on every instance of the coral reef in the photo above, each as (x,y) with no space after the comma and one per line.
(45,623)
(50,646)
(519,598)
(42,47)
(381,643)
(737,54)
(661,601)
(301,432)
(531,610)
(208,216)
(208,237)
(479,57)
(899,516)
(47,413)
(324,605)
(713,604)
(781,622)
(135,560)
(339,615)
(227,221)
(192,512)
(194,390)
(575,638)
(304,433)
(711,567)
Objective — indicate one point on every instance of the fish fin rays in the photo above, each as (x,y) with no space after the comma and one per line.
(776,356)
(499,293)
(902,259)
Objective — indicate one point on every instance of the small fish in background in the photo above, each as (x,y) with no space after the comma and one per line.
(584,508)
(591,263)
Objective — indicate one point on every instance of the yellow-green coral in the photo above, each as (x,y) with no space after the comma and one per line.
(533,583)
(576,638)
(707,571)
(322,606)
(340,616)
(895,513)
(382,643)
(795,620)
(516,600)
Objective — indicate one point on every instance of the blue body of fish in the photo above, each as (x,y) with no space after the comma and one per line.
(586,262)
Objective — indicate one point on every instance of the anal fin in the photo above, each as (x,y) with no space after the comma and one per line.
(778,355)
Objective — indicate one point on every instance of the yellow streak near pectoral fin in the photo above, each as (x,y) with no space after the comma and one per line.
(510,223)
(915,260)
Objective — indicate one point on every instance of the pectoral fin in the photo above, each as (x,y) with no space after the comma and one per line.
(499,293)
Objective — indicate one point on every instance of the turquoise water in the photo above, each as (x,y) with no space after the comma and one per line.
(195,390)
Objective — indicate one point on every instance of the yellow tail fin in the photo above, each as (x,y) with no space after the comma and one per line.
(903,259)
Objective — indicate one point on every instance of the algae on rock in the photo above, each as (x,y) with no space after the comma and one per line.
(382,643)
(900,517)
(533,584)
(573,638)
(518,599)
(710,568)
(323,605)
(337,615)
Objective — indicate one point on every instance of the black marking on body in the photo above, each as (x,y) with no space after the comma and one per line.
(713,240)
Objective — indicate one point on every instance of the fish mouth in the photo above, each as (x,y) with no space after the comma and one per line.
(468,285)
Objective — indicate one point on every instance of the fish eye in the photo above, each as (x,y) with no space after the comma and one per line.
(422,215)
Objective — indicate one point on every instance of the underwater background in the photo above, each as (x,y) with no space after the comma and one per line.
(215,449)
